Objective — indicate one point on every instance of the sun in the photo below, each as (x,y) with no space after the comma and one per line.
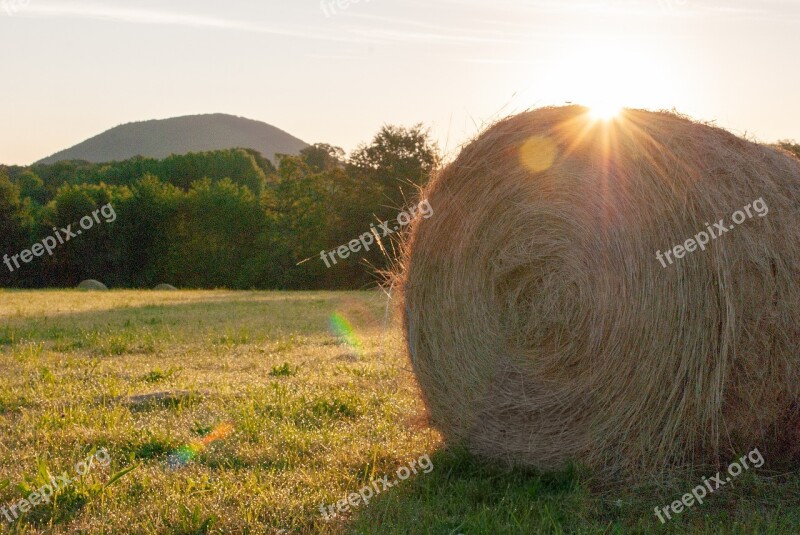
(608,76)
(605,110)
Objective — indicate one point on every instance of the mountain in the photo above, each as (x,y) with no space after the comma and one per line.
(180,135)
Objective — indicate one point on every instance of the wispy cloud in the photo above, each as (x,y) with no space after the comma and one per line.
(467,31)
(518,11)
(406,36)
(166,18)
(136,16)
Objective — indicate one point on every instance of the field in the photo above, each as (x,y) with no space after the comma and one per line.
(243,412)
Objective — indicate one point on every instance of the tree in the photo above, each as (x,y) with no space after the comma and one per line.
(91,252)
(217,230)
(399,159)
(238,165)
(299,217)
(32,187)
(15,224)
(322,157)
(145,233)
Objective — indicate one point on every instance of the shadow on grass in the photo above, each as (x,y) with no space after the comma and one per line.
(465,494)
(468,495)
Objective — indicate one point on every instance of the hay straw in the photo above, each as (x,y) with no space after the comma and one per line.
(542,328)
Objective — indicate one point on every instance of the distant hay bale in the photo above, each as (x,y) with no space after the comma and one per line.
(92,284)
(543,329)
(165,288)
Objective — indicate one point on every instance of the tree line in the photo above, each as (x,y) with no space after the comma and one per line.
(221,219)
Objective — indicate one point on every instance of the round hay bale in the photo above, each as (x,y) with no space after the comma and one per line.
(165,288)
(91,284)
(543,328)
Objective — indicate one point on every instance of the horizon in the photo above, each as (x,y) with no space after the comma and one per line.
(335,75)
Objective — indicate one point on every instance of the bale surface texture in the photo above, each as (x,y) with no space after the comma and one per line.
(542,328)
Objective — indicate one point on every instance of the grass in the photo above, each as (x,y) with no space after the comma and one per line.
(240,412)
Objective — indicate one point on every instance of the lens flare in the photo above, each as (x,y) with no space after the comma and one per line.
(343,330)
(538,153)
(183,455)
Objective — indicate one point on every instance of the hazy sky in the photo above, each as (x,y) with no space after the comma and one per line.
(72,69)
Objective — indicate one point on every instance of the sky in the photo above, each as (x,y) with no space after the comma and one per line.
(336,71)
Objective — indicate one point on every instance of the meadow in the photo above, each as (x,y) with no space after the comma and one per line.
(243,412)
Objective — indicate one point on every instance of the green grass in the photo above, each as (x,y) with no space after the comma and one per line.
(151,375)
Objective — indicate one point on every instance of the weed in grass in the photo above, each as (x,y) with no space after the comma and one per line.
(201,430)
(318,412)
(172,400)
(29,352)
(284,370)
(7,337)
(234,337)
(193,521)
(153,448)
(56,498)
(283,345)
(46,376)
(158,375)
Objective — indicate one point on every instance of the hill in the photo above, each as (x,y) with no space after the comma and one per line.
(180,135)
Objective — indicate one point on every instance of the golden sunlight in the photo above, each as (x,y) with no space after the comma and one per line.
(604,111)
(606,76)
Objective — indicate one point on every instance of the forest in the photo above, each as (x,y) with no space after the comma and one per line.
(221,219)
